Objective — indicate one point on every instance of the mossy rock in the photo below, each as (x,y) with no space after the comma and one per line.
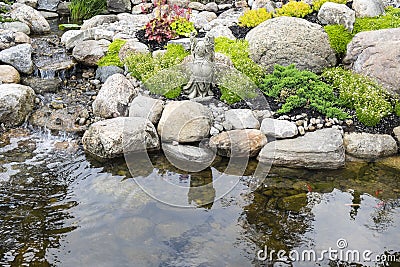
(293,203)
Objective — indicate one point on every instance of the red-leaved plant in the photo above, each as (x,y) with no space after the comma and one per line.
(159,28)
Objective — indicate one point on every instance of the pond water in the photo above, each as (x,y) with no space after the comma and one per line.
(58,207)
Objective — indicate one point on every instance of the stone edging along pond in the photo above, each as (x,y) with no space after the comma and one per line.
(120,115)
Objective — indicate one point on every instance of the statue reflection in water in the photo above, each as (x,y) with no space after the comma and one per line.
(201,191)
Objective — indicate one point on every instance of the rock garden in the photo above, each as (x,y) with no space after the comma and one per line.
(307,84)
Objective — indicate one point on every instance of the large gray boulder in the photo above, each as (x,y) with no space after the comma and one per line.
(241,119)
(114,137)
(98,20)
(19,56)
(376,54)
(369,146)
(119,6)
(16,26)
(146,107)
(16,102)
(184,122)
(48,5)
(368,8)
(287,40)
(188,158)
(222,31)
(333,13)
(114,96)
(104,72)
(278,129)
(30,16)
(89,52)
(239,143)
(322,149)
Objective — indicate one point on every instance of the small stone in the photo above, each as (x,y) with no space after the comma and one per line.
(349,122)
(214,131)
(37,100)
(335,120)
(313,121)
(219,127)
(175,143)
(82,121)
(299,122)
(301,130)
(57,105)
(320,126)
(317,121)
(328,124)
(311,128)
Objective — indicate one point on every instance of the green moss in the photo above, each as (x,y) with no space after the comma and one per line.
(339,37)
(397,108)
(366,97)
(389,20)
(294,9)
(238,52)
(112,58)
(294,89)
(252,18)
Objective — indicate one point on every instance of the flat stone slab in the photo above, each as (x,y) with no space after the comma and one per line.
(322,149)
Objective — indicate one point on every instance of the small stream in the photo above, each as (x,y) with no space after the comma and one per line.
(59,207)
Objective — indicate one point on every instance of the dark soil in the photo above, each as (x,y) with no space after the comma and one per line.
(239,32)
(312,17)
(153,45)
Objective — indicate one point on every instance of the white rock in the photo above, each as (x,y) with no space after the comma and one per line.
(114,96)
(241,119)
(368,8)
(19,57)
(185,122)
(146,107)
(369,146)
(114,137)
(31,17)
(16,103)
(278,129)
(333,13)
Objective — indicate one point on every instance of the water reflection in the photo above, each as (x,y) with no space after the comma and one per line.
(59,207)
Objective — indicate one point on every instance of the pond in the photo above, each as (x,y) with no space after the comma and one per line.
(59,207)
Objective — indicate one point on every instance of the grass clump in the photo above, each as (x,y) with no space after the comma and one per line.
(240,84)
(112,58)
(169,79)
(370,101)
(294,9)
(252,18)
(87,9)
(295,88)
(316,4)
